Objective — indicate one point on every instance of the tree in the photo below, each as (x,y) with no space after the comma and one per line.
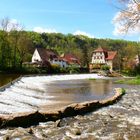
(4,43)
(9,38)
(24,47)
(127,20)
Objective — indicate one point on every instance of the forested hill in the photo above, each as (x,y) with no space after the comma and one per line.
(17,47)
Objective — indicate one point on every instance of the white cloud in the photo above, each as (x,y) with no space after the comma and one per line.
(78,32)
(44,30)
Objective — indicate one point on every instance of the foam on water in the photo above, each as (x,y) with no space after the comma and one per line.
(29,93)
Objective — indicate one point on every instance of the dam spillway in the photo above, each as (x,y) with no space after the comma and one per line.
(32,93)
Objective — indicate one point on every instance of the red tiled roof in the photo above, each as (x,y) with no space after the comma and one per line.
(71,58)
(111,55)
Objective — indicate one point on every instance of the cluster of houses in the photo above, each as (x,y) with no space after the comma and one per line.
(43,57)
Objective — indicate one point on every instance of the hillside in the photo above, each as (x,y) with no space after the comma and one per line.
(17,47)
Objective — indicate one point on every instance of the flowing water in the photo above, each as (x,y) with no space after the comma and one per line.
(120,121)
(47,92)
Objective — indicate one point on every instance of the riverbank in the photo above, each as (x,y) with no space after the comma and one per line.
(132,81)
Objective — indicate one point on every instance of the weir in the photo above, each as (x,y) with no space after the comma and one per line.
(33,98)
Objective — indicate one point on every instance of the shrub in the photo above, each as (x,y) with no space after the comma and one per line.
(105,67)
(55,68)
(73,69)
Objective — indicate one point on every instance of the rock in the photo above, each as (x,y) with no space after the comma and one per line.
(30,131)
(22,119)
(76,131)
(58,122)
(85,107)
(51,115)
(68,111)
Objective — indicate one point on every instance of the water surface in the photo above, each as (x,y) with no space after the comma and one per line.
(6,78)
(52,92)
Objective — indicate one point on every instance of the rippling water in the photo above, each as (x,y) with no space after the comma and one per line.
(47,92)
(118,121)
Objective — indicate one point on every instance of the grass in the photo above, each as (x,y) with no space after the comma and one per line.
(134,81)
(123,91)
(92,79)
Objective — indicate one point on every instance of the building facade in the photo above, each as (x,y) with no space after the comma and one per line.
(101,57)
(44,56)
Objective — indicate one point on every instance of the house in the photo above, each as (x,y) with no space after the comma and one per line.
(71,59)
(101,57)
(45,56)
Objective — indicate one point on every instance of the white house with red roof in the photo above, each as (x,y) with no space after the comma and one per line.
(43,57)
(101,56)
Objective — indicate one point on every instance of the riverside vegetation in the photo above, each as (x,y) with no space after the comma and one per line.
(17,47)
(134,81)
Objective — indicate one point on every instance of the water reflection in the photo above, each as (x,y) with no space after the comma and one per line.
(6,78)
(101,87)
(80,90)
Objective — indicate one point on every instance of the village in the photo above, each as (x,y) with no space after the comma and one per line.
(101,59)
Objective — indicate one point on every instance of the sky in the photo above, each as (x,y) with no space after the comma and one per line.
(88,17)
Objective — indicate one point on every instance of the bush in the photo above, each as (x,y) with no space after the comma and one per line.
(105,67)
(73,69)
(23,70)
(55,68)
(137,69)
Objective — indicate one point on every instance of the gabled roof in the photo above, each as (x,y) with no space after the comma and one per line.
(100,49)
(71,58)
(51,52)
(47,54)
(43,54)
(111,55)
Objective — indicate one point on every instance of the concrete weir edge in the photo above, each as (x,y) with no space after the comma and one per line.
(33,118)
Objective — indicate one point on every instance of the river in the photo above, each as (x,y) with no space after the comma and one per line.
(6,78)
(47,92)
(118,121)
